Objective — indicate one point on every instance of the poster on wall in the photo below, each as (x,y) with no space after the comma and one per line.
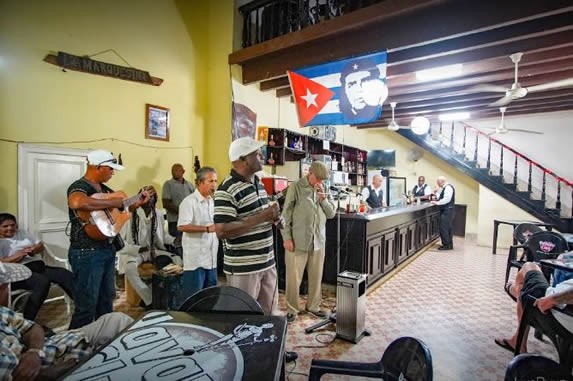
(348,91)
(244,121)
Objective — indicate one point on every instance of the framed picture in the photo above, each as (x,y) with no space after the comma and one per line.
(156,122)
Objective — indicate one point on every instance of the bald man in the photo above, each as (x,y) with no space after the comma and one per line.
(373,193)
(446,201)
(173,192)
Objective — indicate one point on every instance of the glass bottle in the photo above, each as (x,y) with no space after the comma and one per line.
(272,141)
(271,160)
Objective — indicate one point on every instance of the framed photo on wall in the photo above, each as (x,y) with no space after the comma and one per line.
(156,122)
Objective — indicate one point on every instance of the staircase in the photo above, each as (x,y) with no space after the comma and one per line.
(503,170)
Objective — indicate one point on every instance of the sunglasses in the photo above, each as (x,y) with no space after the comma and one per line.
(112,161)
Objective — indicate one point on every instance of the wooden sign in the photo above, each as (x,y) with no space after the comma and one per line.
(87,65)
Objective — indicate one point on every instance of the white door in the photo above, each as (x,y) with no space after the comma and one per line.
(44,175)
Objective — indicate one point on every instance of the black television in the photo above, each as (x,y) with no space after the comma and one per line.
(383,158)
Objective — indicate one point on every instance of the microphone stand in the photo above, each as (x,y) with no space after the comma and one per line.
(331,319)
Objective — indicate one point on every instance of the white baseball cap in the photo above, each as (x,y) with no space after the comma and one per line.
(104,158)
(13,272)
(242,147)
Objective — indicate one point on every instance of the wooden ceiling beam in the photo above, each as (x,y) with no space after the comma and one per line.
(395,33)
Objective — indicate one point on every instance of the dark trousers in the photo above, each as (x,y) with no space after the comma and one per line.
(39,285)
(446,219)
(94,277)
(172,228)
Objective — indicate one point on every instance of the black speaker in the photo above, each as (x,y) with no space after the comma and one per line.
(385,172)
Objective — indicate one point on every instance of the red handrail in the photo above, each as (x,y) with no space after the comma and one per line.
(518,154)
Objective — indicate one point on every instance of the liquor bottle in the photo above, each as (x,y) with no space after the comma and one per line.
(271,160)
(272,141)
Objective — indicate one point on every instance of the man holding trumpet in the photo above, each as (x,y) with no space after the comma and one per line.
(307,207)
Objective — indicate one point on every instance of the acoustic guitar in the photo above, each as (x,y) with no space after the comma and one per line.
(106,223)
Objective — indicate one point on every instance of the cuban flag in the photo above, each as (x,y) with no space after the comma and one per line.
(349,91)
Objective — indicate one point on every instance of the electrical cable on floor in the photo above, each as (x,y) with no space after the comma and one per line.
(289,372)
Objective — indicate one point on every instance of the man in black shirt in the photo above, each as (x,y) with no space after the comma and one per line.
(93,260)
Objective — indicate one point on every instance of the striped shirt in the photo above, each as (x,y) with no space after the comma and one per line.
(235,199)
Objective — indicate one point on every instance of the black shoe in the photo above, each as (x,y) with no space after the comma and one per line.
(290,356)
(446,248)
(290,318)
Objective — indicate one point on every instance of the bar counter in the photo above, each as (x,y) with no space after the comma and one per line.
(375,242)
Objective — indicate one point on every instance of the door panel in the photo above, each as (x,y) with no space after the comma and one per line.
(44,175)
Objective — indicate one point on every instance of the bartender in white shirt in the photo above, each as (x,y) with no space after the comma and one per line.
(446,201)
(373,194)
(422,190)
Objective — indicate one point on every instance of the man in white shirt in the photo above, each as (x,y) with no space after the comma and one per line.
(422,190)
(373,194)
(144,237)
(446,201)
(200,243)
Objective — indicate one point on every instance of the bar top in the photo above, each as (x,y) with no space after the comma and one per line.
(377,213)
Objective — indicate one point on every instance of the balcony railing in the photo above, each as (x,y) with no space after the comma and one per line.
(267,19)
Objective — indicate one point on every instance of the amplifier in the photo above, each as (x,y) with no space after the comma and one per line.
(351,306)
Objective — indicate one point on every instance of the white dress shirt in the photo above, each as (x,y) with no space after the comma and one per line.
(200,248)
(448,193)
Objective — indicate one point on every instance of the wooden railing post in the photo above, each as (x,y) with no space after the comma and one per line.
(488,164)
(464,142)
(476,148)
(452,137)
(529,179)
(543,185)
(501,162)
(558,202)
(515,172)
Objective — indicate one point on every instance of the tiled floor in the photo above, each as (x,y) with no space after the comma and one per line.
(453,301)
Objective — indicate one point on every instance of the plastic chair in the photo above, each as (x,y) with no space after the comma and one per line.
(405,358)
(535,367)
(550,327)
(540,245)
(224,299)
(521,234)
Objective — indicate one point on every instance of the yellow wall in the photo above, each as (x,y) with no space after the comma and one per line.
(40,103)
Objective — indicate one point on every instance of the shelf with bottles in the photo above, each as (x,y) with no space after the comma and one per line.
(274,155)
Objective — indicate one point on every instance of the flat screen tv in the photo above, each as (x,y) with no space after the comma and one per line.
(384,158)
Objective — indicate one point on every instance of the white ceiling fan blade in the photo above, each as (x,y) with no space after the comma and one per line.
(485,87)
(525,131)
(551,85)
(502,101)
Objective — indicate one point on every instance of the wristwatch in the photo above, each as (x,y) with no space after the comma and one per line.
(40,352)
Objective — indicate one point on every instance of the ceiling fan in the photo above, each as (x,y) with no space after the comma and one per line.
(502,129)
(516,91)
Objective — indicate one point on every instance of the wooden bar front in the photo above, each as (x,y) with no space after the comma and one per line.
(376,242)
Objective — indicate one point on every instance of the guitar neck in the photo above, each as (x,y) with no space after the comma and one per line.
(131,200)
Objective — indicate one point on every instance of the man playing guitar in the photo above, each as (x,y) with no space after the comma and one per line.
(93,260)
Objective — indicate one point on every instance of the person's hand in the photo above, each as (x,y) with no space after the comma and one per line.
(22,253)
(319,189)
(545,304)
(29,366)
(289,245)
(211,228)
(272,212)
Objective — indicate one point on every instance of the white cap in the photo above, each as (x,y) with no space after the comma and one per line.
(242,147)
(104,158)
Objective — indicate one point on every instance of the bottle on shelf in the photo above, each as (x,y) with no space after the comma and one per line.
(272,141)
(271,160)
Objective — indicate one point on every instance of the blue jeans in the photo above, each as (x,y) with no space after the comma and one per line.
(198,279)
(94,278)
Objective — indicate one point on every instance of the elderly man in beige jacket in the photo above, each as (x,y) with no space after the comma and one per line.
(306,208)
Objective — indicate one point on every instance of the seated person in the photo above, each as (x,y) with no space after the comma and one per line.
(26,353)
(144,236)
(531,281)
(18,246)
